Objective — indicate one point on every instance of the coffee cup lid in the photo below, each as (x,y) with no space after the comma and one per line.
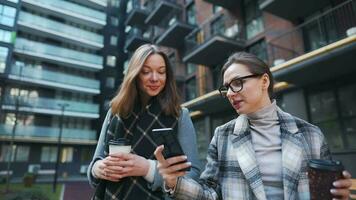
(120,141)
(330,165)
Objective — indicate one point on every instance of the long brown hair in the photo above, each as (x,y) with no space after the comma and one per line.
(123,103)
(253,64)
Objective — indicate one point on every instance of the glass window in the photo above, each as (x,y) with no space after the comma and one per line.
(48,154)
(322,106)
(202,139)
(260,50)
(19,153)
(191,68)
(7,15)
(86,154)
(217,26)
(67,155)
(114,21)
(5,36)
(113,40)
(15,1)
(216,8)
(191,14)
(111,61)
(115,3)
(347,97)
(3,57)
(110,82)
(22,153)
(191,89)
(253,18)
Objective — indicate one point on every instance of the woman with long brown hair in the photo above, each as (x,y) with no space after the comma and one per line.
(147,99)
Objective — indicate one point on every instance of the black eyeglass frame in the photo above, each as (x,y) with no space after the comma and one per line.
(227,86)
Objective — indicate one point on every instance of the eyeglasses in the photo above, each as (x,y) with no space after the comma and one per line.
(235,84)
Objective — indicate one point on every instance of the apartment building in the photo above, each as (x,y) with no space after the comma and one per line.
(58,68)
(309,46)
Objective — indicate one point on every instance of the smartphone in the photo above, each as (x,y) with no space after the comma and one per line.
(171,145)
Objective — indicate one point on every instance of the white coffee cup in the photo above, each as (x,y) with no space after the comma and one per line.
(120,145)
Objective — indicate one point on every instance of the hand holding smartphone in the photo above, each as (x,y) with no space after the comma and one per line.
(172,147)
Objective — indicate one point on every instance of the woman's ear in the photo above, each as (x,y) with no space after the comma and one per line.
(265,81)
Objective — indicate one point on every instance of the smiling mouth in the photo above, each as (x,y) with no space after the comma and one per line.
(153,87)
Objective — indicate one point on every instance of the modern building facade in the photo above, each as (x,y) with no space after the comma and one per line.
(58,69)
(309,46)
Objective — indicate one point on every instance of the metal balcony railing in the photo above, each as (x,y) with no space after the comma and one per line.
(49,133)
(324,29)
(55,77)
(51,104)
(218,25)
(60,28)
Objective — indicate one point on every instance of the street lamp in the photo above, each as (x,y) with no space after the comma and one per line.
(59,143)
(17,102)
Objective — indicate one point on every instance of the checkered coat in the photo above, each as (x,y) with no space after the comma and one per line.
(232,172)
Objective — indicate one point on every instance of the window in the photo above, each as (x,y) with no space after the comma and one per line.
(260,50)
(334,111)
(48,154)
(111,61)
(115,3)
(190,89)
(113,40)
(217,26)
(5,36)
(7,15)
(67,155)
(3,57)
(86,155)
(253,18)
(20,153)
(216,9)
(191,14)
(110,82)
(191,68)
(114,21)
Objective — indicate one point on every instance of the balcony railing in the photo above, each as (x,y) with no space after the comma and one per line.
(62,30)
(218,32)
(135,38)
(47,133)
(159,9)
(320,31)
(32,103)
(66,6)
(137,13)
(58,53)
(54,77)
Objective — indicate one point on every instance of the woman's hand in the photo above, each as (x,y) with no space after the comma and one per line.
(342,186)
(128,164)
(169,169)
(117,166)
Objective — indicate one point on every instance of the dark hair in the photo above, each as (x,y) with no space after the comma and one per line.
(123,103)
(253,64)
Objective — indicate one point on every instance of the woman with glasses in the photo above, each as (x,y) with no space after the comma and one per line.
(262,154)
(147,99)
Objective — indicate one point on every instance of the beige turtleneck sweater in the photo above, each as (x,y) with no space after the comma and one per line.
(266,140)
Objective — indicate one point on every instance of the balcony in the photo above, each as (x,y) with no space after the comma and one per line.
(159,9)
(58,55)
(71,11)
(96,4)
(55,80)
(135,38)
(213,41)
(316,50)
(291,9)
(228,4)
(48,28)
(137,13)
(44,134)
(175,33)
(50,106)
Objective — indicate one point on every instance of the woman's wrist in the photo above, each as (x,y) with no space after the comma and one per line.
(95,168)
(151,171)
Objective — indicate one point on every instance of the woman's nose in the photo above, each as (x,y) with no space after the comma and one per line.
(230,93)
(154,76)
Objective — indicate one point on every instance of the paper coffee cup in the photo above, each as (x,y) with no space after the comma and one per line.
(120,145)
(322,174)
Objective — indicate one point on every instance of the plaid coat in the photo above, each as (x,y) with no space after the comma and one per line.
(233,173)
